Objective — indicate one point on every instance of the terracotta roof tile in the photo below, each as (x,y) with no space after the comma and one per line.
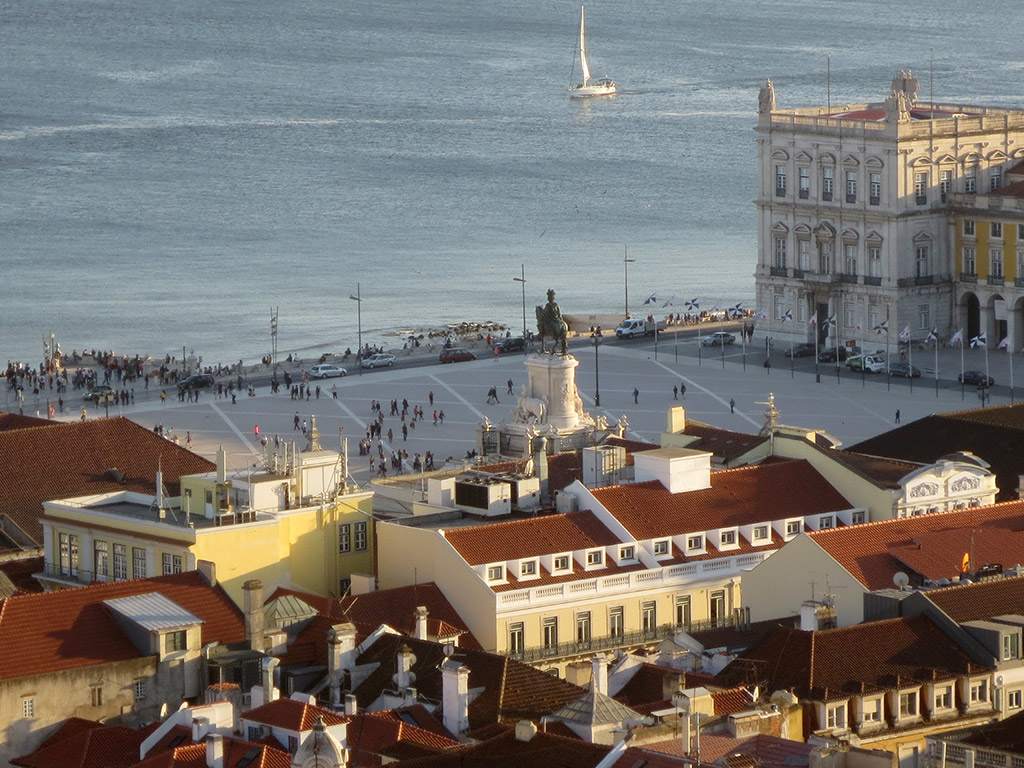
(1007,735)
(736,497)
(723,443)
(983,600)
(71,628)
(293,715)
(74,458)
(20,421)
(885,472)
(380,733)
(731,700)
(86,744)
(257,755)
(868,551)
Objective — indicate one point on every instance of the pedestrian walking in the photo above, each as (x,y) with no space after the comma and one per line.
(636,396)
(435,417)
(897,415)
(510,386)
(431,396)
(732,405)
(440,415)
(682,390)
(405,432)
(188,439)
(675,392)
(334,391)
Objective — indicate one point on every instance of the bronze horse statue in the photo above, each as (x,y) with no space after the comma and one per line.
(551,324)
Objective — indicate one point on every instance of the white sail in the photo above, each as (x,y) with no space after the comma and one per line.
(583,50)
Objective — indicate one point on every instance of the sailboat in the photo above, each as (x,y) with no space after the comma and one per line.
(603,87)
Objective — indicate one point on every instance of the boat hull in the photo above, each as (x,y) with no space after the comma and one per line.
(596,89)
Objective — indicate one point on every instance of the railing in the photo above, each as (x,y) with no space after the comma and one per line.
(611,642)
(845,278)
(777,271)
(996,280)
(968,277)
(68,575)
(872,281)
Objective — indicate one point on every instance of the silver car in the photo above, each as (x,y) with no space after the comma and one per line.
(380,360)
(326,371)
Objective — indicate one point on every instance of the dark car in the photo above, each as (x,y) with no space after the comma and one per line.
(97,393)
(197,381)
(455,355)
(510,345)
(905,370)
(829,355)
(803,349)
(975,377)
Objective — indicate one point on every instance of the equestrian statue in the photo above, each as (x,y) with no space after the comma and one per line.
(550,323)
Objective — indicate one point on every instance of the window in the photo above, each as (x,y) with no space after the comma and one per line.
(968,226)
(583,627)
(648,615)
(550,632)
(716,606)
(1013,699)
(28,708)
(995,178)
(1020,231)
(140,690)
(908,704)
(924,317)
(177,641)
(793,527)
(827,183)
(825,258)
(849,314)
(68,554)
(803,248)
(970,261)
(138,563)
(695,542)
(293,744)
(944,697)
(661,547)
(528,568)
(825,522)
(595,558)
(760,533)
(780,180)
(562,563)
(872,710)
(728,537)
(945,183)
(921,266)
(921,188)
(255,732)
(120,562)
(850,258)
(171,563)
(616,621)
(780,308)
(995,262)
(851,186)
(856,518)
(100,558)
(780,252)
(970,180)
(360,531)
(515,637)
(626,553)
(836,715)
(805,183)
(875,261)
(96,695)
(997,229)
(875,188)
(979,691)
(495,572)
(683,610)
(344,538)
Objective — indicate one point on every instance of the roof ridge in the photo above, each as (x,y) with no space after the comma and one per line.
(847,529)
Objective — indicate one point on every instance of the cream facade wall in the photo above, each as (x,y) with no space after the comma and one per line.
(878,244)
(801,570)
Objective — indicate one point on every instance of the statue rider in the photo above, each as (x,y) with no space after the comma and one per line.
(552,323)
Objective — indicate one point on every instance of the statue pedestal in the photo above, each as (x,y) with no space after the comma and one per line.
(553,378)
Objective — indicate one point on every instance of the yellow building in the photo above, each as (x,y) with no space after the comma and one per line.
(294,523)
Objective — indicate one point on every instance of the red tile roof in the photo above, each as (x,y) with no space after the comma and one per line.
(74,459)
(973,602)
(20,572)
(82,743)
(736,497)
(293,715)
(1006,735)
(869,551)
(886,472)
(723,443)
(384,733)
(832,664)
(19,421)
(259,755)
(71,628)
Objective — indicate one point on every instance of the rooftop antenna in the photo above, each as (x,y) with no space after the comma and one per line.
(828,81)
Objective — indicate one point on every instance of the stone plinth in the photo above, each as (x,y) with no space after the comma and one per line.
(552,380)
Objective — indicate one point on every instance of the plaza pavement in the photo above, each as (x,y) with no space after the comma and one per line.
(852,409)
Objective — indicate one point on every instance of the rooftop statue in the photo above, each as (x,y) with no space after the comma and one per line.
(550,324)
(766,98)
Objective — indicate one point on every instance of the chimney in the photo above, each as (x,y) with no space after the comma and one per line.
(540,464)
(421,623)
(600,674)
(222,470)
(350,705)
(270,692)
(676,420)
(525,730)
(341,643)
(214,751)
(208,570)
(455,696)
(200,727)
(403,673)
(252,607)
(160,490)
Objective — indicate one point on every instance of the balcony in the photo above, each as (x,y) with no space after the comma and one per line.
(872,281)
(851,198)
(852,279)
(921,199)
(968,277)
(826,196)
(70,576)
(924,280)
(778,272)
(1019,282)
(996,280)
(804,194)
(799,274)
(780,191)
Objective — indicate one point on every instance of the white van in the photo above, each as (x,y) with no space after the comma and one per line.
(868,363)
(634,326)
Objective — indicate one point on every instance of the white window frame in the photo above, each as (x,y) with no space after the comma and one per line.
(996,230)
(922,261)
(528,568)
(875,260)
(28,708)
(562,563)
(875,189)
(910,698)
(971,180)
(139,690)
(826,522)
(780,253)
(661,548)
(805,181)
(360,540)
(695,543)
(1014,699)
(856,518)
(979,691)
(943,699)
(794,527)
(827,183)
(921,187)
(727,538)
(780,181)
(595,557)
(851,186)
(835,715)
(761,533)
(627,553)
(616,621)
(872,712)
(970,258)
(969,228)
(495,572)
(995,262)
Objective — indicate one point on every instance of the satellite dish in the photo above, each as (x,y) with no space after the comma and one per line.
(900,579)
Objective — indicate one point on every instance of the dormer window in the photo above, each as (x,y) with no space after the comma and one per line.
(761,533)
(694,543)
(979,691)
(495,572)
(872,711)
(595,557)
(943,697)
(1011,646)
(661,547)
(728,537)
(176,641)
(793,527)
(835,715)
(825,522)
(562,563)
(627,553)
(528,568)
(908,704)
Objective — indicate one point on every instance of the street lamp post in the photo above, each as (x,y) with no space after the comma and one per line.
(358,299)
(595,338)
(626,261)
(523,281)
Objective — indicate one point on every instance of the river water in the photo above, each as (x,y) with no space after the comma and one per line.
(171,171)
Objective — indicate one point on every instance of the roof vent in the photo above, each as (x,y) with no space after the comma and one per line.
(117,474)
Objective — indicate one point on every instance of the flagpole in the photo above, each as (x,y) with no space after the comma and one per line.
(814,320)
(962,396)
(910,360)
(1009,349)
(986,372)
(936,361)
(888,355)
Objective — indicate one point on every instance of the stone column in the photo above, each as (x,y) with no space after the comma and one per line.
(554,377)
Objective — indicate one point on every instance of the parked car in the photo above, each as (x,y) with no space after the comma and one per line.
(718,339)
(975,377)
(380,360)
(197,381)
(97,393)
(866,363)
(905,370)
(326,371)
(456,355)
(803,349)
(516,344)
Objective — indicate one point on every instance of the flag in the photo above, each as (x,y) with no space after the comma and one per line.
(1004,344)
(763,314)
(882,327)
(813,320)
(829,322)
(979,340)
(858,327)
(736,311)
(692,305)
(905,334)
(965,563)
(651,299)
(933,335)
(787,315)
(957,337)
(717,307)
(670,303)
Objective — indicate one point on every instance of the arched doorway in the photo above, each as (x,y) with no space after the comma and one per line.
(970,315)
